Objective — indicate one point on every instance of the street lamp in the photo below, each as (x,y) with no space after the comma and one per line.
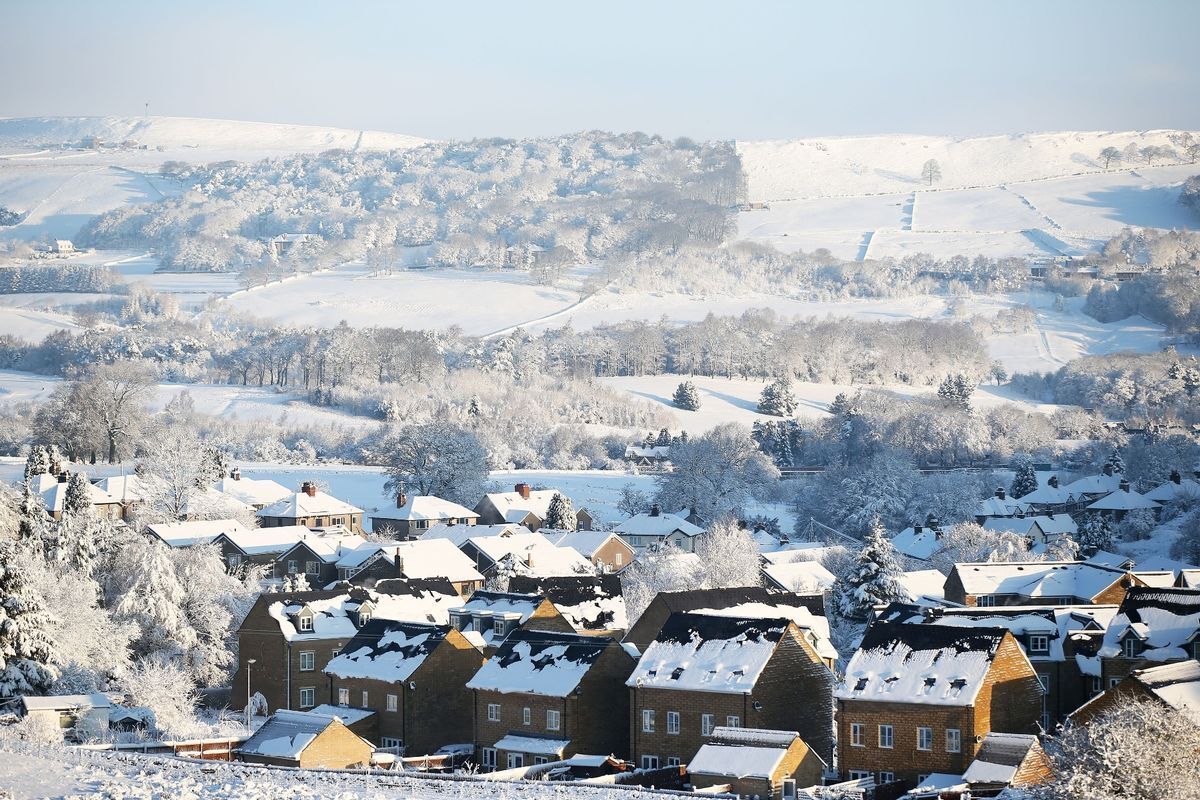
(249,706)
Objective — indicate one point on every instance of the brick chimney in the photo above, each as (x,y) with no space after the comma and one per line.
(64,476)
(401,499)
(235,473)
(1176,478)
(1053,482)
(523,490)
(1000,492)
(655,510)
(1124,486)
(309,488)
(1108,469)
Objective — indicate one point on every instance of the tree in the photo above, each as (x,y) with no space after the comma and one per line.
(437,458)
(37,462)
(729,555)
(633,502)
(560,516)
(956,390)
(1187,546)
(1025,480)
(117,394)
(26,651)
(1115,463)
(1095,533)
(686,397)
(663,569)
(777,398)
(782,440)
(875,580)
(931,171)
(970,542)
(716,473)
(998,373)
(1109,155)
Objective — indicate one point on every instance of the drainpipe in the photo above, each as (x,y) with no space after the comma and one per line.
(289,675)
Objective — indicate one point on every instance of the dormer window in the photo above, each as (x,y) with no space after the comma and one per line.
(1130,648)
(1039,644)
(305,623)
(364,616)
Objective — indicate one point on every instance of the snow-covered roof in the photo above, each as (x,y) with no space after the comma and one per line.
(1123,500)
(922,664)
(1187,487)
(703,653)
(252,491)
(924,583)
(386,650)
(1165,621)
(1177,685)
(426,507)
(1051,524)
(459,534)
(334,612)
(534,552)
(1190,578)
(999,758)
(641,451)
(513,506)
(587,543)
(488,604)
(536,745)
(142,488)
(661,524)
(999,507)
(1037,578)
(540,662)
(330,544)
(1047,495)
(55,492)
(588,602)
(788,552)
(433,558)
(192,532)
(298,505)
(737,761)
(347,715)
(263,541)
(286,734)
(65,702)
(1095,484)
(816,625)
(919,542)
(801,576)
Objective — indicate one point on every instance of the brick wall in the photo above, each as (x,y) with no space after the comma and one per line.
(275,657)
(336,748)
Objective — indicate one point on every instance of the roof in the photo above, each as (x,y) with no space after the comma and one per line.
(737,761)
(513,506)
(540,662)
(661,524)
(329,545)
(924,583)
(301,504)
(709,653)
(1165,621)
(1051,524)
(192,532)
(55,493)
(537,745)
(386,650)
(585,542)
(252,491)
(266,541)
(426,507)
(1188,487)
(286,734)
(347,715)
(413,601)
(1095,484)
(922,664)
(800,576)
(460,533)
(1177,685)
(921,544)
(534,552)
(816,625)
(995,507)
(588,602)
(1122,500)
(140,488)
(999,757)
(1047,495)
(63,702)
(1037,578)
(433,558)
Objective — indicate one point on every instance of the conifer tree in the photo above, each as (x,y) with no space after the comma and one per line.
(1096,533)
(876,578)
(777,399)
(1116,462)
(686,397)
(664,438)
(560,515)
(1025,481)
(26,651)
(37,462)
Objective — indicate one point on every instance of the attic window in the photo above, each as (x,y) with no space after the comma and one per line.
(676,673)
(929,684)
(305,623)
(890,682)
(957,685)
(653,673)
(862,684)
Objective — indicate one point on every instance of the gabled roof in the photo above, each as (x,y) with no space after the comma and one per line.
(433,558)
(800,576)
(816,626)
(927,584)
(298,505)
(1077,579)
(1122,500)
(999,758)
(252,491)
(287,734)
(459,534)
(329,545)
(55,492)
(1188,487)
(65,702)
(587,543)
(1047,495)
(1165,621)
(1095,484)
(335,610)
(534,552)
(588,602)
(503,603)
(743,753)
(513,506)
(995,507)
(921,664)
(1051,524)
(426,507)
(541,663)
(1177,685)
(661,524)
(386,650)
(266,541)
(140,488)
(199,531)
(694,652)
(920,544)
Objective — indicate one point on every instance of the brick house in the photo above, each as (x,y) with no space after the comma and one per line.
(308,741)
(371,562)
(1005,760)
(1175,685)
(313,509)
(193,532)
(412,676)
(1152,626)
(545,696)
(607,551)
(241,547)
(524,506)
(415,514)
(488,617)
(593,604)
(702,671)
(316,556)
(1040,583)
(656,527)
(1061,643)
(919,699)
(525,553)
(755,763)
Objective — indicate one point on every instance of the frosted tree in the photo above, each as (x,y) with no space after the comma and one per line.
(633,502)
(165,687)
(1109,155)
(1025,480)
(33,523)
(956,390)
(970,542)
(664,569)
(142,587)
(1095,533)
(1187,546)
(37,462)
(686,397)
(729,555)
(663,439)
(54,460)
(214,465)
(560,515)
(1115,462)
(437,458)
(716,473)
(77,499)
(931,171)
(26,650)
(875,579)
(778,399)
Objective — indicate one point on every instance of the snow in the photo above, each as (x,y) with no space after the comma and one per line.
(192,532)
(386,651)
(275,540)
(736,761)
(797,576)
(427,507)
(286,734)
(535,662)
(424,559)
(1038,579)
(65,702)
(1122,500)
(536,745)
(815,625)
(302,504)
(1177,685)
(252,492)
(348,716)
(708,654)
(657,525)
(586,543)
(924,583)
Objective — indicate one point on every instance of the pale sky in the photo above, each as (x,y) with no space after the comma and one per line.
(739,69)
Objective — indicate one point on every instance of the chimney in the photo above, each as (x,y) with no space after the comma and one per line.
(1108,469)
(235,473)
(1124,485)
(64,476)
(931,521)
(523,490)
(309,488)
(655,510)
(401,499)
(918,527)
(1175,477)
(1053,482)
(1000,492)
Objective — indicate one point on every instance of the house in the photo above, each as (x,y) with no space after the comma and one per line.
(1176,487)
(197,531)
(648,457)
(316,555)
(998,505)
(459,534)
(306,740)
(654,528)
(702,670)
(1092,487)
(1049,498)
(1119,503)
(361,721)
(80,716)
(416,514)
(1152,626)
(1007,760)
(545,696)
(133,491)
(920,540)
(312,508)
(371,562)
(258,546)
(805,577)
(593,604)
(1175,685)
(282,244)
(525,553)
(607,551)
(919,699)
(1061,642)
(489,616)
(925,587)
(1188,579)
(53,489)
(62,246)
(1040,529)
(523,506)
(411,674)
(1049,583)
(257,493)
(755,763)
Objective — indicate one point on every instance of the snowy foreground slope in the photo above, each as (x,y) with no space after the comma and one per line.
(54,772)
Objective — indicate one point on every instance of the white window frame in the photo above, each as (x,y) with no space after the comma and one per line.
(312,567)
(365,701)
(493,712)
(309,693)
(304,623)
(308,660)
(516,760)
(343,697)
(673,761)
(649,762)
(393,702)
(707,723)
(487,757)
(985,601)
(1129,647)
(924,738)
(887,777)
(540,760)
(857,774)
(890,737)
(858,734)
(553,719)
(526,716)
(647,720)
(618,558)
(733,721)
(390,741)
(673,723)
(953,740)
(1039,644)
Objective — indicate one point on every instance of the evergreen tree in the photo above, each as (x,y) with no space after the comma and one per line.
(875,580)
(956,390)
(782,441)
(55,459)
(664,438)
(777,399)
(26,651)
(686,397)
(37,463)
(1116,462)
(33,523)
(1025,481)
(77,501)
(560,516)
(214,465)
(1096,533)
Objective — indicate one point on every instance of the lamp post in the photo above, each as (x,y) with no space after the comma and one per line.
(249,705)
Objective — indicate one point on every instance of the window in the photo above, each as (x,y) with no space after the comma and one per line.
(540,760)
(858,774)
(292,566)
(673,722)
(493,712)
(234,560)
(306,625)
(647,720)
(364,616)
(1129,647)
(312,567)
(308,697)
(343,697)
(334,652)
(887,737)
(1044,680)
(858,734)
(393,702)
(985,601)
(1097,686)
(887,777)
(516,760)
(649,762)
(673,761)
(526,716)
(619,559)
(953,740)
(308,660)
(488,757)
(924,738)
(1113,682)
(733,722)
(707,722)
(391,741)
(1039,644)
(553,720)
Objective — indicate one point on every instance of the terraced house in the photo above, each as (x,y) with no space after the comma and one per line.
(1044,583)
(1153,626)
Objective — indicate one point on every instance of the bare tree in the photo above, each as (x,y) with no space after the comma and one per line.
(931,171)
(1109,155)
(118,393)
